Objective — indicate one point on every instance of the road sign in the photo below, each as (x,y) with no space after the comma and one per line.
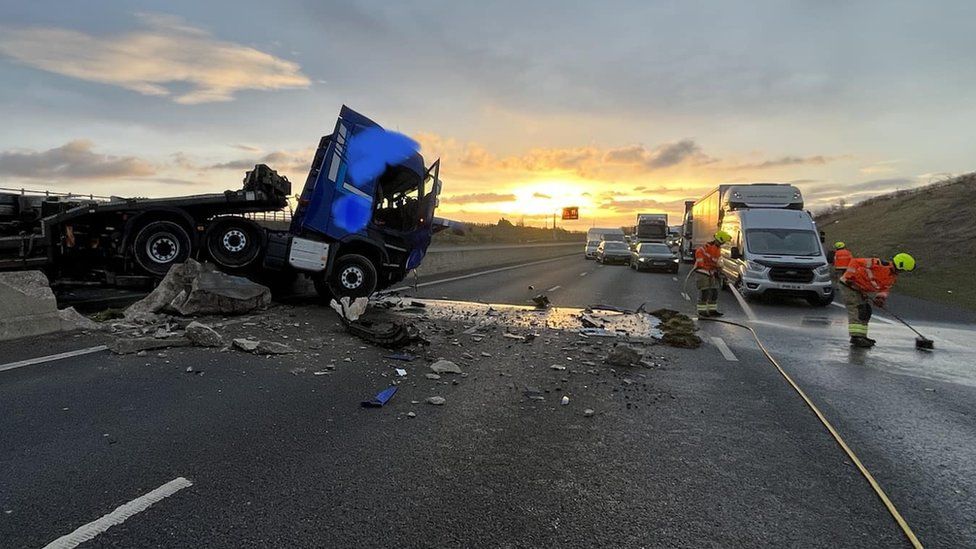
(570,213)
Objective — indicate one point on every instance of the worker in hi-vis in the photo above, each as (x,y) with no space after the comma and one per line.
(709,274)
(840,258)
(868,281)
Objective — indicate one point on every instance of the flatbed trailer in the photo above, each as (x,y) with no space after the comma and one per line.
(351,237)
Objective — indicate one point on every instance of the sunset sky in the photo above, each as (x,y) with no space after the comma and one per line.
(615,107)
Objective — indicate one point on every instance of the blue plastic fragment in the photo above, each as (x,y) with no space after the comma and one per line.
(406,357)
(381,398)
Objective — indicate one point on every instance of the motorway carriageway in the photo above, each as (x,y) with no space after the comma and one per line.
(909,415)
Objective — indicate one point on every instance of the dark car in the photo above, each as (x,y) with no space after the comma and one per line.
(612,251)
(654,256)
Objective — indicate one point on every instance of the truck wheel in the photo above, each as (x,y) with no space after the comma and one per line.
(353,275)
(160,245)
(234,242)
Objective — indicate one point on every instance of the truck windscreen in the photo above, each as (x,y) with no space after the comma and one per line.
(782,242)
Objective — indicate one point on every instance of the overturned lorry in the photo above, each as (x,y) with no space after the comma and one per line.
(363,220)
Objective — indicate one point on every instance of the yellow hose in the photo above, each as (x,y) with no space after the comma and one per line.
(833,432)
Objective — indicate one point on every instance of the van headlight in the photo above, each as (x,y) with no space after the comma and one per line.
(756,268)
(823,270)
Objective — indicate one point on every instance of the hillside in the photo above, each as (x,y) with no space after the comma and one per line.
(936,224)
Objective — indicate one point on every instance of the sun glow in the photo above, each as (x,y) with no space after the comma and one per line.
(548,197)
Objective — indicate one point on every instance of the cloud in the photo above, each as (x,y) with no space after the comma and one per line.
(282,161)
(479,198)
(662,156)
(817,160)
(165,52)
(73,160)
(541,195)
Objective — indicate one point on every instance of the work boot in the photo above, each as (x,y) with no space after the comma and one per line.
(871,341)
(861,342)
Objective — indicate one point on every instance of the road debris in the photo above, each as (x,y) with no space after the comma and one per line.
(401,372)
(436,400)
(564,401)
(432,376)
(381,398)
(131,345)
(445,367)
(557,367)
(411,414)
(203,335)
(273,348)
(623,355)
(350,310)
(405,357)
(541,301)
(679,329)
(588,412)
(246,345)
(193,288)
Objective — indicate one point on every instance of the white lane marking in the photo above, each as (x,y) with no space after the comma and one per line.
(873,317)
(686,296)
(553,289)
(119,515)
(584,274)
(472,275)
(49,358)
(724,349)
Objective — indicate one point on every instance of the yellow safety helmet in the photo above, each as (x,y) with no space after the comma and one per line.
(723,237)
(839,245)
(903,262)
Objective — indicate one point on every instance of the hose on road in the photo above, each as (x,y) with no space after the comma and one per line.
(833,432)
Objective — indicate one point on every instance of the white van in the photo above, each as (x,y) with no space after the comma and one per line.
(776,251)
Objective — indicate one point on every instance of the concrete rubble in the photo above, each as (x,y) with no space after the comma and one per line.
(203,335)
(193,288)
(28,308)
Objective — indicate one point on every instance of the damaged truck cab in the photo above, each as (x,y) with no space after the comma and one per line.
(366,214)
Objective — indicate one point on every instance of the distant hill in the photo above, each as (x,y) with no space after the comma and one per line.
(935,223)
(504,232)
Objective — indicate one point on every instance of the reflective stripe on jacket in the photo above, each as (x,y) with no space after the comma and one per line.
(706,257)
(870,276)
(842,258)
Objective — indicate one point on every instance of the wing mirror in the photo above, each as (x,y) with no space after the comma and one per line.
(735,253)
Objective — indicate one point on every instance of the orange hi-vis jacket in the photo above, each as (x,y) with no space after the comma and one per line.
(706,258)
(870,276)
(842,258)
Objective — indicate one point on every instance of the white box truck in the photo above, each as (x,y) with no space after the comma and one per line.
(775,247)
(651,227)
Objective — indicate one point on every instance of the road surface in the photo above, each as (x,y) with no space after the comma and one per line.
(711,449)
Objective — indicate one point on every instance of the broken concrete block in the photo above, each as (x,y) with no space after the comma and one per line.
(203,335)
(194,288)
(27,305)
(350,310)
(273,348)
(217,293)
(246,345)
(445,367)
(436,400)
(73,320)
(123,345)
(623,355)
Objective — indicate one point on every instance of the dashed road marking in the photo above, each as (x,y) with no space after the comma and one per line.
(119,515)
(49,358)
(724,349)
(584,274)
(553,289)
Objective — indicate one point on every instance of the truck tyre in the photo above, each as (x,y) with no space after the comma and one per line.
(352,275)
(160,245)
(234,242)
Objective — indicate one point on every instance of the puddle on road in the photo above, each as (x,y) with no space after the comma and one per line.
(950,361)
(597,323)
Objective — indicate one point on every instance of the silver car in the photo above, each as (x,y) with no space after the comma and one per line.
(589,251)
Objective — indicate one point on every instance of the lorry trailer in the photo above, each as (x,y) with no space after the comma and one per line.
(652,227)
(351,233)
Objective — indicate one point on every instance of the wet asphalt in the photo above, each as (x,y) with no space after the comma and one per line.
(699,451)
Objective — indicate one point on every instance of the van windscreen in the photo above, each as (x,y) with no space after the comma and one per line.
(782,242)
